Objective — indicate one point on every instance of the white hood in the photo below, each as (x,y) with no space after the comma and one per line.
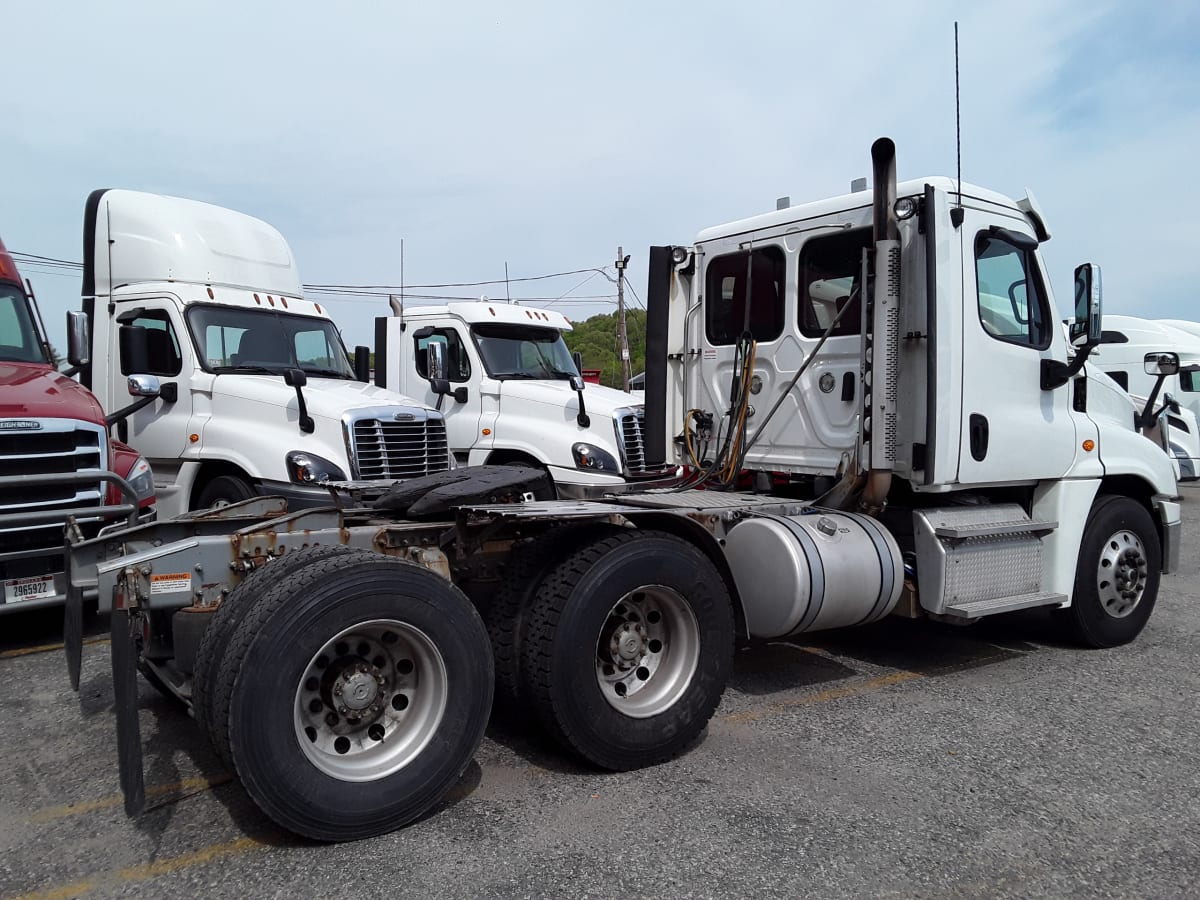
(599,401)
(326,398)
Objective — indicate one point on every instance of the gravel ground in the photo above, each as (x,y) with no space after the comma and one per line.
(901,760)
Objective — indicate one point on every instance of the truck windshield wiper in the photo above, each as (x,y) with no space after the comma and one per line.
(251,369)
(532,375)
(327,373)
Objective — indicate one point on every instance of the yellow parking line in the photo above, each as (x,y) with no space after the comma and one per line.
(838,693)
(188,787)
(45,648)
(146,870)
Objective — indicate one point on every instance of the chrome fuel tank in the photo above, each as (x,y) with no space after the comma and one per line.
(815,571)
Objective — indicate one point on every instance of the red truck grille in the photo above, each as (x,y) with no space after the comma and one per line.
(57,446)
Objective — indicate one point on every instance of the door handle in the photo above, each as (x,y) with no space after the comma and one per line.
(978,429)
(848,386)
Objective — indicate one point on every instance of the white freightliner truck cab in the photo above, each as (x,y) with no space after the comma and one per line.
(1125,343)
(941,399)
(249,387)
(887,374)
(512,393)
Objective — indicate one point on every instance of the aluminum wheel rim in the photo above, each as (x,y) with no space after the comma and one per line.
(647,651)
(1121,578)
(370,700)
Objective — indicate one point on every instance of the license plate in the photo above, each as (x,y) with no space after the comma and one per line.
(20,589)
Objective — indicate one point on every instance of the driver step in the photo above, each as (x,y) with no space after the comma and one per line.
(977,609)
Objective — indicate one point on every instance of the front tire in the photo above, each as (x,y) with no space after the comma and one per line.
(628,647)
(224,490)
(1117,576)
(362,696)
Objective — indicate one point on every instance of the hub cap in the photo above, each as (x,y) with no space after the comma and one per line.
(1121,578)
(370,700)
(647,651)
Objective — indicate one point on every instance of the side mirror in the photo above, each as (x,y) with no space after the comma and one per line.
(1088,293)
(577,383)
(79,343)
(295,377)
(1165,363)
(362,364)
(577,358)
(144,386)
(436,362)
(134,347)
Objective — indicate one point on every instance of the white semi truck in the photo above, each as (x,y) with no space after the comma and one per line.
(513,395)
(1126,341)
(935,454)
(248,388)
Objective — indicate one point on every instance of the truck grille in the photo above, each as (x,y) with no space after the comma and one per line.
(633,447)
(60,445)
(388,448)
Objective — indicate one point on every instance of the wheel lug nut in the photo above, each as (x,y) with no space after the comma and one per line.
(331,719)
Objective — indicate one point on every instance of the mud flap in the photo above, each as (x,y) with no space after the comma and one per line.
(129,733)
(73,633)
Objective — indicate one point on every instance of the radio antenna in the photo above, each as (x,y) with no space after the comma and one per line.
(957,118)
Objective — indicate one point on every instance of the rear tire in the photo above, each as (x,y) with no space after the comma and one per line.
(1117,576)
(506,612)
(223,491)
(359,632)
(628,648)
(211,714)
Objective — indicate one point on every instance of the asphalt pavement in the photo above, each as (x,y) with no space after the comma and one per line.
(907,759)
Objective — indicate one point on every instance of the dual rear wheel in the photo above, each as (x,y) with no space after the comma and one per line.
(348,690)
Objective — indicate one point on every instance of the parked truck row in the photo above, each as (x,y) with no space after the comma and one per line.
(870,398)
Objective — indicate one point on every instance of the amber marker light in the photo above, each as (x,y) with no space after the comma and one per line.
(193,438)
(486,432)
(1089,445)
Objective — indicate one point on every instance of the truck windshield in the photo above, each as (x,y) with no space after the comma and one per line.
(520,351)
(18,337)
(267,342)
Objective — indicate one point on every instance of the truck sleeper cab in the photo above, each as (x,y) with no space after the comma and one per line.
(257,394)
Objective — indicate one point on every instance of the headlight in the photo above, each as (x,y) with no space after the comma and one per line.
(589,456)
(141,479)
(307,468)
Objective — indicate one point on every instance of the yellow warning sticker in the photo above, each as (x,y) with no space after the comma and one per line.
(174,583)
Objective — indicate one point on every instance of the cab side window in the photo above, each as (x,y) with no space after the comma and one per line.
(163,353)
(830,276)
(725,292)
(458,364)
(1012,302)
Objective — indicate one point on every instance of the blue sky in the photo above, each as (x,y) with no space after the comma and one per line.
(544,135)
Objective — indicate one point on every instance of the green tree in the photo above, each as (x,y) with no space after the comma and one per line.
(596,339)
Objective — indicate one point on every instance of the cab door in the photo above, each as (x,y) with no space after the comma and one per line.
(1012,430)
(462,419)
(159,431)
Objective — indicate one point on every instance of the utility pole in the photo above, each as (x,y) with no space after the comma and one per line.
(622,334)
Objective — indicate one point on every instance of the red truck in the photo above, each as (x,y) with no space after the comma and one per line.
(58,467)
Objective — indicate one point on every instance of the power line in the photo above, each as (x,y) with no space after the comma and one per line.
(383,290)
(405,288)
